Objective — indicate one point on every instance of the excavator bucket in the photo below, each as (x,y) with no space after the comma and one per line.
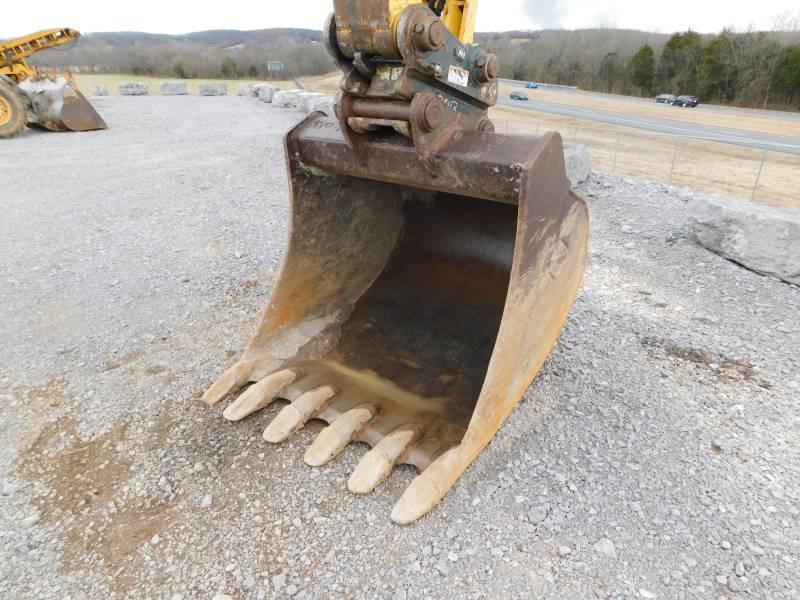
(417,300)
(57,105)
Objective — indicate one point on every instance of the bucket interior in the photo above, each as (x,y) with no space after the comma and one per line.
(418,339)
(429,322)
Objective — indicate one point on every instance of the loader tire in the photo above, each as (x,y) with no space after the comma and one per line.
(13,115)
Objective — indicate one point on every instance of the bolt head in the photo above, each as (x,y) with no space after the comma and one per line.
(487,67)
(427,35)
(432,114)
(436,34)
(492,66)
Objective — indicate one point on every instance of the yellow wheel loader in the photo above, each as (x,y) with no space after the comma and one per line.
(46,101)
(431,262)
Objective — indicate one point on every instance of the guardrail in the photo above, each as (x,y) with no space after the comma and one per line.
(764,176)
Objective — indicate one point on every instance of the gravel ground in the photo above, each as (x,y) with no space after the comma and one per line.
(657,455)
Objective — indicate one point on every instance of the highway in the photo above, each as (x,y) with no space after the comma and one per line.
(753,139)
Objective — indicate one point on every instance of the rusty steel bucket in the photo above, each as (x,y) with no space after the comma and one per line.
(56,104)
(417,300)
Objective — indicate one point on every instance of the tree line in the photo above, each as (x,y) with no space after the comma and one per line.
(213,55)
(752,68)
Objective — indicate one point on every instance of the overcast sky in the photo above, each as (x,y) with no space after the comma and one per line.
(493,15)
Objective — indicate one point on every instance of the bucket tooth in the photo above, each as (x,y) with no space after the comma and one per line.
(232,380)
(332,440)
(293,417)
(429,487)
(376,464)
(259,395)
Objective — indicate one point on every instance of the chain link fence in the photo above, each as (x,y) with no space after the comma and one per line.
(767,177)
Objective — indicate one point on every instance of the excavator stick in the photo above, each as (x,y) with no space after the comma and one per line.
(56,104)
(417,300)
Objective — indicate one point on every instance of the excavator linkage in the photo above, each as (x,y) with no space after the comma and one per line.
(418,298)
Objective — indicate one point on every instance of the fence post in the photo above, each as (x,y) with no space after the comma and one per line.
(758,176)
(538,124)
(506,126)
(616,149)
(575,135)
(674,157)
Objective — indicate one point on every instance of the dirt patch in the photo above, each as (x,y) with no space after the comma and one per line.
(725,369)
(40,403)
(85,472)
(42,400)
(125,360)
(82,481)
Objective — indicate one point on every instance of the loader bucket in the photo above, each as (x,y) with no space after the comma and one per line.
(417,300)
(57,105)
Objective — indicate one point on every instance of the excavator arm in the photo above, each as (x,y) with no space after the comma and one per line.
(14,52)
(431,262)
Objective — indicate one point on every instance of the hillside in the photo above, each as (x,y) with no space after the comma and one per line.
(214,53)
(217,38)
(745,68)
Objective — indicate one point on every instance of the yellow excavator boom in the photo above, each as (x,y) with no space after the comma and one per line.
(457,15)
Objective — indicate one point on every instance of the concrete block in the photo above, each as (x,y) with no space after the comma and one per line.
(133,88)
(244,89)
(212,89)
(173,88)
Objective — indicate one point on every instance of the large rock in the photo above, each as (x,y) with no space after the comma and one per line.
(173,88)
(305,99)
(265,91)
(133,88)
(244,89)
(99,90)
(322,104)
(212,89)
(765,239)
(286,98)
(578,162)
